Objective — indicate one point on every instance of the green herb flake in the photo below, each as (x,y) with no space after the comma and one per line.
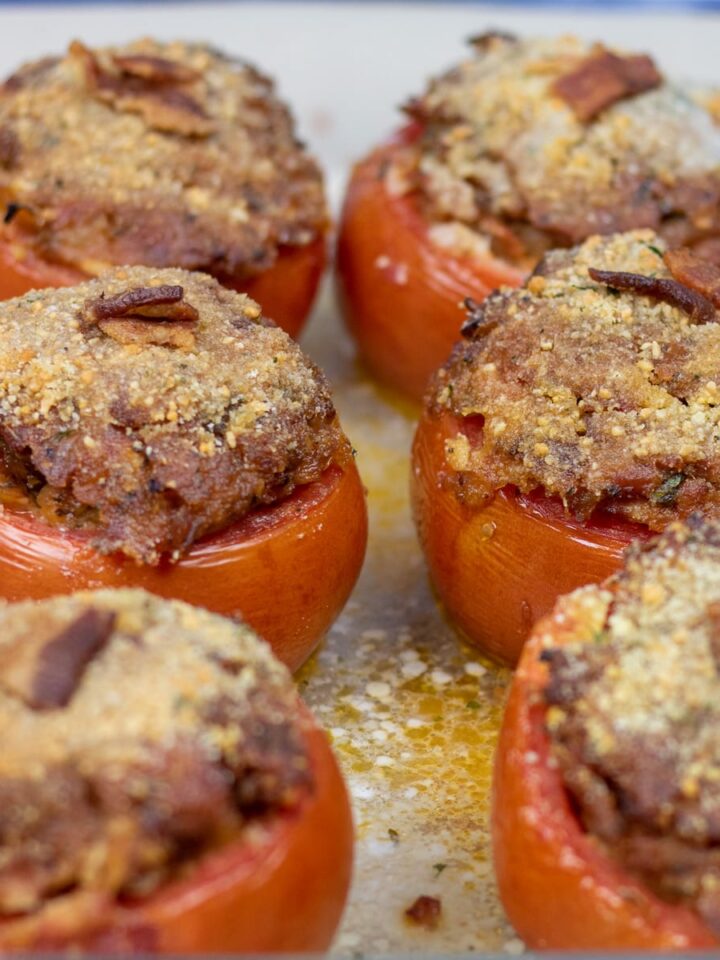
(438,868)
(666,494)
(394,836)
(472,705)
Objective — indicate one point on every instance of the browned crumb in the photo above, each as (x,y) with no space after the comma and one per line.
(161,154)
(154,406)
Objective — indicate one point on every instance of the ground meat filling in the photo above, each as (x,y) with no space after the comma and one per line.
(534,144)
(598,382)
(634,716)
(159,154)
(136,735)
(152,407)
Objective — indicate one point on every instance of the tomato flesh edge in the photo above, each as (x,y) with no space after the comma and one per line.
(286,894)
(286,290)
(559,888)
(498,568)
(401,295)
(286,569)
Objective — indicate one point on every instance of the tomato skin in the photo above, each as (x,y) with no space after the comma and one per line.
(285,895)
(287,569)
(402,296)
(558,887)
(498,568)
(285,291)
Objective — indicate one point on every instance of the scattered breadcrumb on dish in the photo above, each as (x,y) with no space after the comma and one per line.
(413,715)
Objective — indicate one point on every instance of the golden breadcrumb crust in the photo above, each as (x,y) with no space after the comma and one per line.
(602,397)
(165,154)
(519,150)
(153,423)
(136,734)
(633,714)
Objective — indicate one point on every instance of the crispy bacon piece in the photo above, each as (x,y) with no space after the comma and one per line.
(164,302)
(603,79)
(45,669)
(157,70)
(695,272)
(694,304)
(425,912)
(145,315)
(150,86)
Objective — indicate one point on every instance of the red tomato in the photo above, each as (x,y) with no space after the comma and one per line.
(500,567)
(558,887)
(284,894)
(286,569)
(285,291)
(402,295)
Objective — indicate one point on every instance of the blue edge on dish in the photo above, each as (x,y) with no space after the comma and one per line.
(574,4)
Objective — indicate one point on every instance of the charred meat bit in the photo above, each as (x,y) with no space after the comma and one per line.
(45,671)
(11,211)
(695,272)
(694,304)
(425,912)
(481,41)
(603,79)
(477,324)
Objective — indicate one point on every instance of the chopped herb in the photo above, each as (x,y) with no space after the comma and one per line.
(655,250)
(438,868)
(666,494)
(394,835)
(472,705)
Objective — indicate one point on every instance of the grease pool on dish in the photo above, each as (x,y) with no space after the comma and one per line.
(176,796)
(580,412)
(157,431)
(163,154)
(528,145)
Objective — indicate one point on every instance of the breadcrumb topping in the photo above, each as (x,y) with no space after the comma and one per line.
(154,423)
(151,153)
(634,716)
(181,733)
(602,397)
(501,152)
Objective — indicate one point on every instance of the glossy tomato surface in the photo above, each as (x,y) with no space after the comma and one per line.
(498,568)
(559,888)
(286,569)
(283,890)
(402,295)
(285,291)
